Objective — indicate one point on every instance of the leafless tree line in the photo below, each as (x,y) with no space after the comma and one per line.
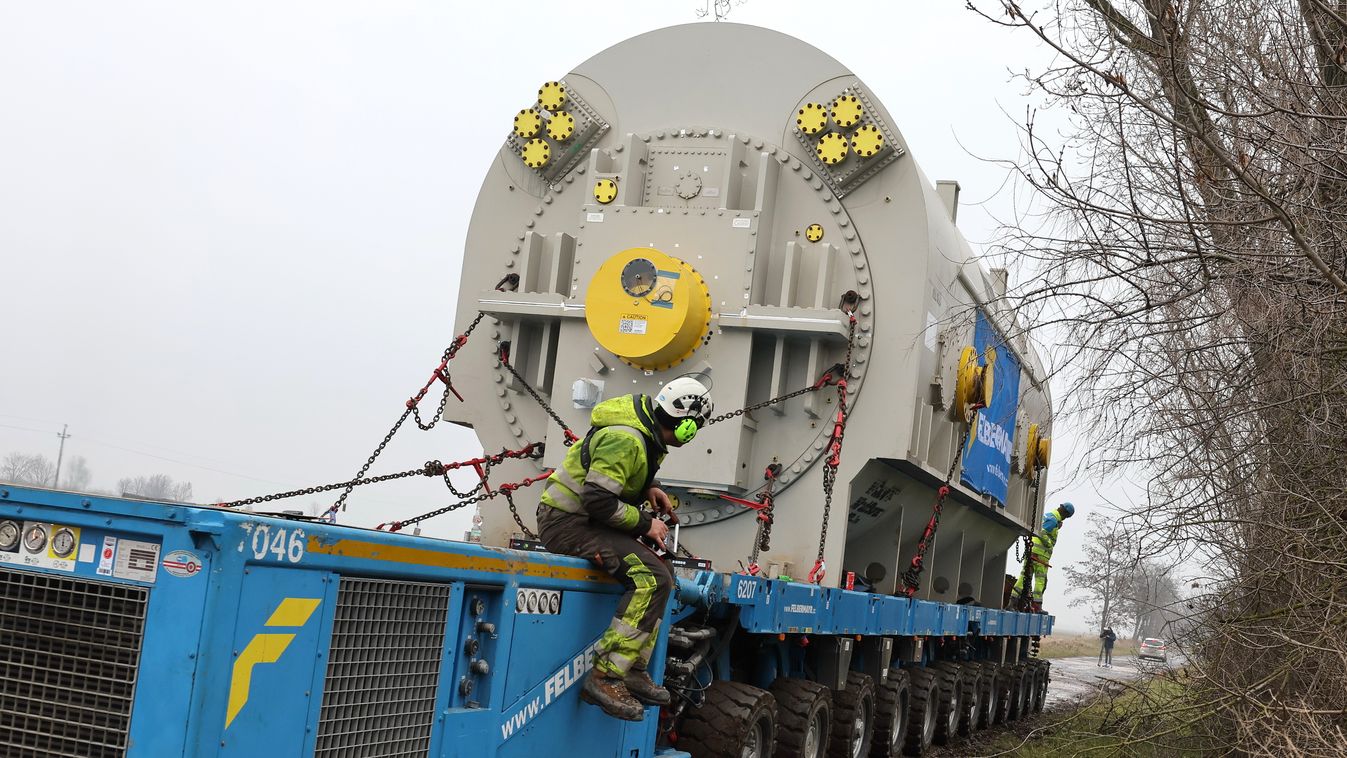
(1188,241)
(1139,596)
(37,470)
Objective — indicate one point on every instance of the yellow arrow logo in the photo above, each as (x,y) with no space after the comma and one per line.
(266,648)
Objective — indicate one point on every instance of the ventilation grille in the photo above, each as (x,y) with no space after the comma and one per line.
(69,652)
(383,668)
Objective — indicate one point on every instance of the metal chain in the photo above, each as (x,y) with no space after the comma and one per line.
(487,494)
(912,576)
(439,373)
(429,469)
(830,465)
(836,370)
(503,354)
(509,499)
(763,541)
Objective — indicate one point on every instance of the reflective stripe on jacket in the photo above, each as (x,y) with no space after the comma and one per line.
(1045,541)
(623,437)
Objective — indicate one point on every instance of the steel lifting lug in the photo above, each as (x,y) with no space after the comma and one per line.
(772,472)
(503,352)
(508,283)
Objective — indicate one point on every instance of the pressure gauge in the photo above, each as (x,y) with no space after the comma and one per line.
(35,538)
(638,277)
(63,543)
(9,534)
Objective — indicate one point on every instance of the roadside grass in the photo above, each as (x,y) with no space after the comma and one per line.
(1146,719)
(1076,645)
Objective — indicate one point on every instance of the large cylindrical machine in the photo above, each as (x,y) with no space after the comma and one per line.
(723,199)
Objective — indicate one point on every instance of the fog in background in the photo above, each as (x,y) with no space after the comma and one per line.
(230,235)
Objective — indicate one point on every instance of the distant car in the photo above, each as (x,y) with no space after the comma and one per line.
(1152,649)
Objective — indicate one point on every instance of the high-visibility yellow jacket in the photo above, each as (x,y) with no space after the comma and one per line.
(1046,540)
(605,476)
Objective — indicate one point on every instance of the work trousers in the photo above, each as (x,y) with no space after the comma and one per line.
(1040,580)
(1106,654)
(631,636)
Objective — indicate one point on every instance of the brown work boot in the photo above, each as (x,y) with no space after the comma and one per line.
(644,688)
(610,694)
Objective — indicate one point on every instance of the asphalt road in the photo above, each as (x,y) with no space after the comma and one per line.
(1074,679)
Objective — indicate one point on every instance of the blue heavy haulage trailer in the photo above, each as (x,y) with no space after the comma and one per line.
(150,629)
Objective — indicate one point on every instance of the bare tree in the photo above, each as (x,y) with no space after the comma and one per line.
(77,475)
(156,487)
(1101,578)
(22,468)
(1190,246)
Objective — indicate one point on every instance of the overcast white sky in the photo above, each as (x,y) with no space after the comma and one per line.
(230,233)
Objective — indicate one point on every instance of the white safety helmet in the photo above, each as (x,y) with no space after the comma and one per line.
(686,402)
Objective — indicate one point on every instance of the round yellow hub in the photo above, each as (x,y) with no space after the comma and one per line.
(605,191)
(537,153)
(832,148)
(847,111)
(561,126)
(867,141)
(551,96)
(812,118)
(813,232)
(647,308)
(527,123)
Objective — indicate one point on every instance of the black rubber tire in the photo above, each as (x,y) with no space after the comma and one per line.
(1041,679)
(921,717)
(853,718)
(892,702)
(950,678)
(800,702)
(1005,683)
(991,696)
(1015,705)
(972,699)
(733,716)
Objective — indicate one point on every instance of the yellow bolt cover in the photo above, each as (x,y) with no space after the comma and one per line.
(527,122)
(561,126)
(812,118)
(551,96)
(867,141)
(652,325)
(605,191)
(847,111)
(1037,451)
(814,232)
(972,379)
(536,153)
(832,148)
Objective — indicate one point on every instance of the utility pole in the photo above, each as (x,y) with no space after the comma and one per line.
(56,480)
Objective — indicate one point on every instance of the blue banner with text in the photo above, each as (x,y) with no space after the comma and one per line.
(986,461)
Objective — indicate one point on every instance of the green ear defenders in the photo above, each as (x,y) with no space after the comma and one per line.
(686,430)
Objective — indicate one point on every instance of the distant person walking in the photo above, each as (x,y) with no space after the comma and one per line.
(1106,651)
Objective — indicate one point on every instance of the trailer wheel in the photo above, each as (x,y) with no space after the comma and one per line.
(891,707)
(853,717)
(735,721)
(1005,693)
(804,718)
(949,677)
(923,713)
(1041,679)
(1015,702)
(991,697)
(972,699)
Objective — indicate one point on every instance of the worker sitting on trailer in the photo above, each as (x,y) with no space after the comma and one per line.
(591,508)
(1041,553)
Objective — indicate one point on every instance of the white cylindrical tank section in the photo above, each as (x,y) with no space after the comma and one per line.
(723,199)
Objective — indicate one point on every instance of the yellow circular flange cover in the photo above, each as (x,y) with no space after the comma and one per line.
(1031,452)
(551,96)
(973,382)
(832,148)
(1044,451)
(867,141)
(847,111)
(605,191)
(536,153)
(657,329)
(561,126)
(812,118)
(813,232)
(527,123)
